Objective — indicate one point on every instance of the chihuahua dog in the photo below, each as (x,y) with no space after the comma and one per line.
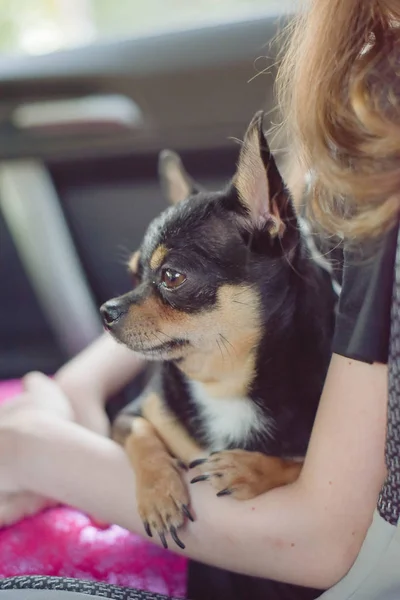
(230,302)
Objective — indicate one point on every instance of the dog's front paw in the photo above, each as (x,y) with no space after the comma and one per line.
(244,474)
(162,498)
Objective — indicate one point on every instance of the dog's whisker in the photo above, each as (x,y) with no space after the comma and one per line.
(244,291)
(226,348)
(239,294)
(123,254)
(157,337)
(166,335)
(220,349)
(122,260)
(243,303)
(226,341)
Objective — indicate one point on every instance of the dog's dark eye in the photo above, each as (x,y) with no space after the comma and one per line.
(172,279)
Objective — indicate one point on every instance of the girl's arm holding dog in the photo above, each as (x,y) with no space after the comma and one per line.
(95,375)
(307,533)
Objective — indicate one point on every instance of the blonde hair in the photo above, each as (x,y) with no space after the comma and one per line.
(339,89)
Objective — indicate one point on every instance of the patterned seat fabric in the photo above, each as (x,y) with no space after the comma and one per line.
(389,498)
(90,588)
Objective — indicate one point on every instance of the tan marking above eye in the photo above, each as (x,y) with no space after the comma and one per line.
(133,263)
(158,256)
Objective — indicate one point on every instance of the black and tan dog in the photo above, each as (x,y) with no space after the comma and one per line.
(230,302)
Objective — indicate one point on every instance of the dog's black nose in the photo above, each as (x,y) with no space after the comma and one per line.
(111,311)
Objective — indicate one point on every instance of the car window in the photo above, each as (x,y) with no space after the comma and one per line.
(43,26)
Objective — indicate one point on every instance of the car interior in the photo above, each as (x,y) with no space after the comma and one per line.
(81,130)
(91,92)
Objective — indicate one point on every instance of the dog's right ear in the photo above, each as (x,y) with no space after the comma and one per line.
(175,181)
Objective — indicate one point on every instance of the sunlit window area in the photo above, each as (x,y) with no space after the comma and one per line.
(43,26)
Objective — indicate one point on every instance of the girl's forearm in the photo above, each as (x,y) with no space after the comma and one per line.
(278,535)
(101,370)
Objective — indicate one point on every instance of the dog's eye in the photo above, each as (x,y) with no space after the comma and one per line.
(172,279)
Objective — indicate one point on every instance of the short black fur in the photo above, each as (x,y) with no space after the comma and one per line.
(212,237)
(217,240)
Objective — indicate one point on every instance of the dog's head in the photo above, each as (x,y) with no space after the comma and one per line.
(212,267)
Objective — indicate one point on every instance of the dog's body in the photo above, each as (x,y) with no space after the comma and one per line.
(270,406)
(240,317)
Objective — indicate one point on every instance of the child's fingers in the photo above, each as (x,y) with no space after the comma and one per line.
(34,379)
(47,394)
(16,506)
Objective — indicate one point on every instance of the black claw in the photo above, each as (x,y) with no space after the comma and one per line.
(187,513)
(175,537)
(225,492)
(147,528)
(200,478)
(182,465)
(162,538)
(197,462)
(215,452)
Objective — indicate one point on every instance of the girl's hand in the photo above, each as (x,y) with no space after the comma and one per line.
(40,394)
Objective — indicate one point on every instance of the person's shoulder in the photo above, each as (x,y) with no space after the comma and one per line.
(363,319)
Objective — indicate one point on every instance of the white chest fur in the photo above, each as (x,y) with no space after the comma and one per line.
(229,421)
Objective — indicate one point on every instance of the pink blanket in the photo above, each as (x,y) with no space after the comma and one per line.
(66,543)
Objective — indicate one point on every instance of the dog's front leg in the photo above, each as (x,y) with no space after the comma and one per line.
(244,474)
(161,493)
(156,446)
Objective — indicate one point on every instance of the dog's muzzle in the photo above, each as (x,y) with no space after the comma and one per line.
(112,311)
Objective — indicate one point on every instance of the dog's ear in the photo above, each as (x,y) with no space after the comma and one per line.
(258,183)
(175,181)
